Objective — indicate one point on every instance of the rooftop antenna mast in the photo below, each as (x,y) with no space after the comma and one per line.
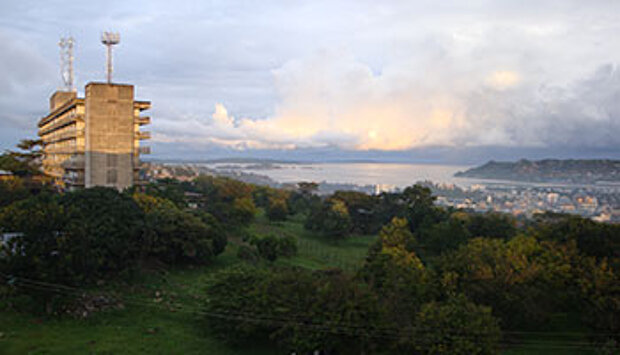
(66,62)
(110,39)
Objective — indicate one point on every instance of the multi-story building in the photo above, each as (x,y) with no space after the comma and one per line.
(95,140)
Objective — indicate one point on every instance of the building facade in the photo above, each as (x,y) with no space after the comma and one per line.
(95,140)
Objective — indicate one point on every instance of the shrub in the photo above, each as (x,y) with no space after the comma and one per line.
(268,247)
(455,326)
(215,230)
(271,247)
(248,253)
(243,211)
(277,209)
(175,236)
(287,246)
(517,278)
(74,239)
(302,311)
(330,217)
(230,201)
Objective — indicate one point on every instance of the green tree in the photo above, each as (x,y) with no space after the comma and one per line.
(270,247)
(13,189)
(600,240)
(234,308)
(492,225)
(228,200)
(27,161)
(599,287)
(300,310)
(300,202)
(335,314)
(308,188)
(172,235)
(215,230)
(523,280)
(277,209)
(361,208)
(445,235)
(75,239)
(454,326)
(397,275)
(419,205)
(267,247)
(168,189)
(243,211)
(330,218)
(104,231)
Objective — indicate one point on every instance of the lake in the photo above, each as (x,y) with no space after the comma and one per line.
(385,174)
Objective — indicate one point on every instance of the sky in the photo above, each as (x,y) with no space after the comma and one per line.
(449,81)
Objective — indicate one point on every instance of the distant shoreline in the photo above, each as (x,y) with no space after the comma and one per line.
(294,162)
(549,171)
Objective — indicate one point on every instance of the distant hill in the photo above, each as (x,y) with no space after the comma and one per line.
(549,170)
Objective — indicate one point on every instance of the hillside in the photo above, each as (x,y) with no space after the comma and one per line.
(549,170)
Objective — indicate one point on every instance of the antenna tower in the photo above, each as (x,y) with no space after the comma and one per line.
(110,39)
(66,62)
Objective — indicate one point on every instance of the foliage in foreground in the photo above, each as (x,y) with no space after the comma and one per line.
(79,238)
(437,280)
(304,311)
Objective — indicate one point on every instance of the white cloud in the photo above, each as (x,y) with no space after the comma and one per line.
(503,79)
(331,99)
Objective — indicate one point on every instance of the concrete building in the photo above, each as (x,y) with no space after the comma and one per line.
(95,140)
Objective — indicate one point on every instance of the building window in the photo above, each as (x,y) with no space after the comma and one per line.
(112,178)
(112,161)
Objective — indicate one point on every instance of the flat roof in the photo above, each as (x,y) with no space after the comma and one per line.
(60,110)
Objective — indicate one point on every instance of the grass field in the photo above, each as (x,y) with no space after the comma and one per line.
(314,251)
(169,323)
(149,324)
(162,309)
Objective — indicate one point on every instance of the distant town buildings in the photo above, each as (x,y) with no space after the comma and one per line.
(5,175)
(599,202)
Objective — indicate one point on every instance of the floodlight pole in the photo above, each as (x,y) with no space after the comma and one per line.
(109,63)
(109,39)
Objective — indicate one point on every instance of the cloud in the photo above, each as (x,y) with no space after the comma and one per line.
(584,113)
(332,99)
(352,75)
(24,75)
(503,79)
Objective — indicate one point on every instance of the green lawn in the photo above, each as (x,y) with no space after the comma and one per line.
(316,251)
(168,324)
(156,325)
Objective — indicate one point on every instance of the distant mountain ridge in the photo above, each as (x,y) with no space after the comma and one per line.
(548,170)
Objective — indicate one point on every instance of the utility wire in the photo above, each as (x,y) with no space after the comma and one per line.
(340,328)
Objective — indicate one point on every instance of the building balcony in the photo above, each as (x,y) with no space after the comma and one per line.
(143,135)
(58,151)
(74,163)
(68,134)
(142,105)
(61,122)
(79,182)
(143,120)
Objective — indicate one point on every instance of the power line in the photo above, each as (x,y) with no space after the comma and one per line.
(339,328)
